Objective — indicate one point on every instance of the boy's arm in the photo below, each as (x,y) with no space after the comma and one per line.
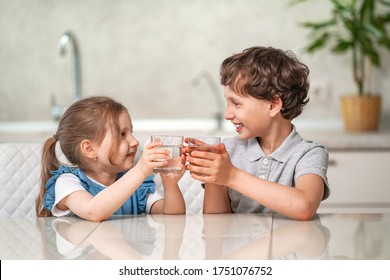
(300,202)
(216,199)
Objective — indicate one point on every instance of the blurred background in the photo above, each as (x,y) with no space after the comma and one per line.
(159,58)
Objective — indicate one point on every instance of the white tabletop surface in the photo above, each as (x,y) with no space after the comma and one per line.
(199,237)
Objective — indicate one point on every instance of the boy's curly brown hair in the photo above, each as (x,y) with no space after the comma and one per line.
(266,73)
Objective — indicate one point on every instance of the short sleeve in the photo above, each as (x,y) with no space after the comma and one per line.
(156,196)
(65,185)
(315,161)
(148,187)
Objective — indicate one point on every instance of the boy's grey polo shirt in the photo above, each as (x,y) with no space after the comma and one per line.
(295,157)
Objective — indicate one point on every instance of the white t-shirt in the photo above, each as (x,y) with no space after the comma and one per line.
(69,183)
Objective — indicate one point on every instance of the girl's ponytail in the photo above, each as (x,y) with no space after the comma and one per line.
(49,162)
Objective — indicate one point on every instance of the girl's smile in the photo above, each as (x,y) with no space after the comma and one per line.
(132,153)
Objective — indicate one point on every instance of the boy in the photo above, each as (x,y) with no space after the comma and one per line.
(268,166)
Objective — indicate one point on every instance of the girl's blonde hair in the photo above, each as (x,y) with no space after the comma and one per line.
(88,118)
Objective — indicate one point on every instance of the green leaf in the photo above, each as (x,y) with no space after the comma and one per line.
(318,25)
(295,2)
(367,11)
(342,46)
(318,43)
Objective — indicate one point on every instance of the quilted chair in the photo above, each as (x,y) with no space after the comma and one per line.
(19,178)
(19,181)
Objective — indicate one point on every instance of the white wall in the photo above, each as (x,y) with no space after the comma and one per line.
(146,53)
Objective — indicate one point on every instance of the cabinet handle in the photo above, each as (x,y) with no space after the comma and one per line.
(332,162)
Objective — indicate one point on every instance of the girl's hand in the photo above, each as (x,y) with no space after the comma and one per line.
(211,167)
(149,157)
(172,178)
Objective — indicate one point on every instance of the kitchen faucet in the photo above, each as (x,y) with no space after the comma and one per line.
(219,116)
(66,39)
(69,39)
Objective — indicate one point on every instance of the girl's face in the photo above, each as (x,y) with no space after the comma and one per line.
(250,116)
(127,149)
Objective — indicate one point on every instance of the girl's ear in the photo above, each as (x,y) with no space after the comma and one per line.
(276,106)
(87,149)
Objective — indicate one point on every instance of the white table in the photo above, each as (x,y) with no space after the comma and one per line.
(198,237)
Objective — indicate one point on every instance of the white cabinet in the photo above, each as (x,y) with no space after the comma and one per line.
(359,181)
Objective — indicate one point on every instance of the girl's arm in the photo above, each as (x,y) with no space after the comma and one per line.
(173,202)
(105,203)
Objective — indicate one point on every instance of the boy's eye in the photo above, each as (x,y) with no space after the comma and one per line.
(235,102)
(123,134)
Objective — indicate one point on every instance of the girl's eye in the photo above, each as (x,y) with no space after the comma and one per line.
(123,134)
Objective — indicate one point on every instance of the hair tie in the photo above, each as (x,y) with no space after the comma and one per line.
(55,137)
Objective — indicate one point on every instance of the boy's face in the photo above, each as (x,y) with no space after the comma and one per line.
(250,116)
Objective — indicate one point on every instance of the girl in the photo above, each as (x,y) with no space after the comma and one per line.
(95,135)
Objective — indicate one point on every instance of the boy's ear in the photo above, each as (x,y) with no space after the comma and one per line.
(87,149)
(276,106)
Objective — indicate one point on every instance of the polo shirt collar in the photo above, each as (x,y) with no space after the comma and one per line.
(281,154)
(254,150)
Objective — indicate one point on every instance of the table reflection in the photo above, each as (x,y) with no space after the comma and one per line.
(219,236)
(64,238)
(250,236)
(198,237)
(238,236)
(73,238)
(299,239)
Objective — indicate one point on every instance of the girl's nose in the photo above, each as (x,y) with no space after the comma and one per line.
(133,142)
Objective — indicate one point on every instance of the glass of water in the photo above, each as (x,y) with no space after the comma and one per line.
(174,145)
(203,143)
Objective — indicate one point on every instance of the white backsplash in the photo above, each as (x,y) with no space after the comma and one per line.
(146,54)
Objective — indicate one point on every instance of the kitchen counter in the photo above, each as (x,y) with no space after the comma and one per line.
(333,136)
(341,140)
(327,132)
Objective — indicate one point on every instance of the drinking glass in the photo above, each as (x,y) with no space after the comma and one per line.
(203,143)
(174,145)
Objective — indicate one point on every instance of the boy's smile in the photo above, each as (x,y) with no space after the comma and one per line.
(249,115)
(238,127)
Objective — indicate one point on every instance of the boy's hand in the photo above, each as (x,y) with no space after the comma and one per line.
(211,167)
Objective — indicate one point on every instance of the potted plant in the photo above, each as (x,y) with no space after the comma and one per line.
(356,28)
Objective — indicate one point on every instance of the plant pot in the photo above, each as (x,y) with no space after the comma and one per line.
(361,113)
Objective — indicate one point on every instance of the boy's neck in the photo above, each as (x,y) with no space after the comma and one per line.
(275,137)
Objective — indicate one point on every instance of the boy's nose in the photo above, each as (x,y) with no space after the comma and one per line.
(228,115)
